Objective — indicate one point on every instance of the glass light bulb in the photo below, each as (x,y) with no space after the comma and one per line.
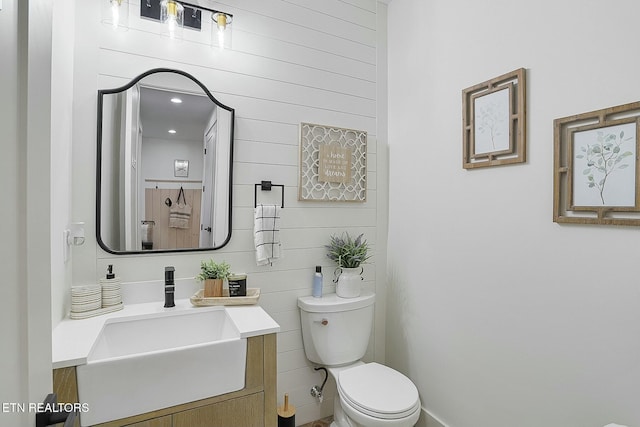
(115,13)
(221,37)
(171,22)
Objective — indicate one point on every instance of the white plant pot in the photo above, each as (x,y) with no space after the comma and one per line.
(349,284)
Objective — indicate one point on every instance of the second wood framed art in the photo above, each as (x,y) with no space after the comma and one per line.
(596,171)
(494,121)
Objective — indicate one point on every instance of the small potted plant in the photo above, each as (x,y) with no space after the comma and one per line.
(213,275)
(349,254)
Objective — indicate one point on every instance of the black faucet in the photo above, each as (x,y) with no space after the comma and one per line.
(169,287)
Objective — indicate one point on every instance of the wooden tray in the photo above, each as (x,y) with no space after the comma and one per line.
(253,294)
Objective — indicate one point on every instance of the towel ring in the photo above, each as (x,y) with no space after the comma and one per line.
(266,186)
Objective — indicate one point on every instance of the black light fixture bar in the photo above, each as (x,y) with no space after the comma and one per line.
(150,9)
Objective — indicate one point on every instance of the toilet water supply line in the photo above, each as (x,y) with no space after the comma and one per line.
(317,391)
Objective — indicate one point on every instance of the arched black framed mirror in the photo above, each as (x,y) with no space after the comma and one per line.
(163,139)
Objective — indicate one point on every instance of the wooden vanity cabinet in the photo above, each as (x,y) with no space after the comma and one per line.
(241,411)
(165,421)
(253,406)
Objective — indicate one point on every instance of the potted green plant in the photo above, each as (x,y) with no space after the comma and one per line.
(213,275)
(349,254)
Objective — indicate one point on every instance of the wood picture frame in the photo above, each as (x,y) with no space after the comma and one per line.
(494,121)
(596,169)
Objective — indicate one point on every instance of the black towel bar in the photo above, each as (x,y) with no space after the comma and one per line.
(266,186)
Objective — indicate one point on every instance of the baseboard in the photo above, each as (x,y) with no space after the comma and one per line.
(428,420)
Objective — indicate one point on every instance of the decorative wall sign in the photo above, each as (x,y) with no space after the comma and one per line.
(333,163)
(494,121)
(596,167)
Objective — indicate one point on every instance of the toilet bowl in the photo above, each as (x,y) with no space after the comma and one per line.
(375,395)
(335,333)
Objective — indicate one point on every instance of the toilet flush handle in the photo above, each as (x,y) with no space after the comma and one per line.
(323,322)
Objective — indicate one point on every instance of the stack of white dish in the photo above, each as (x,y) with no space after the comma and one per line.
(85,298)
(111,292)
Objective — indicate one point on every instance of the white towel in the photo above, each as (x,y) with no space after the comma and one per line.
(267,234)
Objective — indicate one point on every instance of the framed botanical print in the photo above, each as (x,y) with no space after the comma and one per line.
(596,167)
(494,121)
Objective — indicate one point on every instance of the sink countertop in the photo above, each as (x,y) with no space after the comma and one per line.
(73,339)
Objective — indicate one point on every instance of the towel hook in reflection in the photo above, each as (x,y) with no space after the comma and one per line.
(266,186)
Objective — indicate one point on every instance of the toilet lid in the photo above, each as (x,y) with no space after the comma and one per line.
(378,390)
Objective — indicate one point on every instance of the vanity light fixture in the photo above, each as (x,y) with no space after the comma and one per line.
(172,12)
(116,14)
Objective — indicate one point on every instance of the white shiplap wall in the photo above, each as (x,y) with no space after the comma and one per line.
(291,61)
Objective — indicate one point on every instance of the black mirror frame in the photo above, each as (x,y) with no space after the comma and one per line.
(103,92)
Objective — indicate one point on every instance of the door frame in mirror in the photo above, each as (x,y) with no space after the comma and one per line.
(98,205)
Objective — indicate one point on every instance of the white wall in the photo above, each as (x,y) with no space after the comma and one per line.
(158,156)
(500,316)
(12,325)
(290,62)
(25,118)
(61,166)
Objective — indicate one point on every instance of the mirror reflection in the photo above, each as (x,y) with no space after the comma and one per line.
(165,149)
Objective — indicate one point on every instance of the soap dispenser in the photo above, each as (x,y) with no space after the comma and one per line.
(111,289)
(110,276)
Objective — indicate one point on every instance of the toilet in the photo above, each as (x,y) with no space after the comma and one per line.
(335,332)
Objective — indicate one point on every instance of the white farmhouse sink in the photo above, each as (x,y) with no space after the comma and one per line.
(144,363)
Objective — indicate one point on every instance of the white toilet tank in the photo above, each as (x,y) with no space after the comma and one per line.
(336,330)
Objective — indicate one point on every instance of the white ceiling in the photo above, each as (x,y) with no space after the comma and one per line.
(158,114)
